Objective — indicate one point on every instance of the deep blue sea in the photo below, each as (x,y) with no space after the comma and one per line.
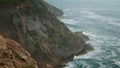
(100,20)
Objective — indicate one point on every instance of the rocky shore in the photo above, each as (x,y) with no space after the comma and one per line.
(37,29)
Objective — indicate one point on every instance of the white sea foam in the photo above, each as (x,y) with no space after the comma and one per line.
(90,34)
(113,54)
(87,14)
(70,21)
(92,15)
(106,45)
(68,9)
(117,62)
(103,19)
(99,48)
(96,40)
(115,23)
(96,51)
(69,65)
(86,56)
(118,49)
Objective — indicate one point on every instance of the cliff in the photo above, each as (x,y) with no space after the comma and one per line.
(39,32)
(13,56)
(52,9)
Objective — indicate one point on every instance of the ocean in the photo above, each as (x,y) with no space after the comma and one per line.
(100,20)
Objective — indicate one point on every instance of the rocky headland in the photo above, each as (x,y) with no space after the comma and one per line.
(36,28)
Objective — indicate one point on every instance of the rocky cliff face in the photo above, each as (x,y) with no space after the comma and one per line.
(39,32)
(52,9)
(13,56)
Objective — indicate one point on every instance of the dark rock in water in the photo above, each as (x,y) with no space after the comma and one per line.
(88,46)
(39,32)
(86,49)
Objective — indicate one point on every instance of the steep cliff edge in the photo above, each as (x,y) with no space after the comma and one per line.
(13,56)
(39,32)
(52,9)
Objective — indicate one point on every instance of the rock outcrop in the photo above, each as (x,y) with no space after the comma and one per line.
(39,32)
(52,9)
(13,56)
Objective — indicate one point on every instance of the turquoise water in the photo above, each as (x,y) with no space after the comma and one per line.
(100,20)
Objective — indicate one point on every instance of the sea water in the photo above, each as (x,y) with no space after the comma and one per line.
(100,20)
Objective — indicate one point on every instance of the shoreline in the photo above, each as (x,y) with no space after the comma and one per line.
(43,35)
(85,50)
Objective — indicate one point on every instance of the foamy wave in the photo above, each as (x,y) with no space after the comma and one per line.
(70,21)
(118,49)
(68,9)
(114,54)
(90,34)
(96,51)
(97,48)
(86,56)
(87,14)
(115,23)
(117,63)
(98,43)
(69,65)
(91,15)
